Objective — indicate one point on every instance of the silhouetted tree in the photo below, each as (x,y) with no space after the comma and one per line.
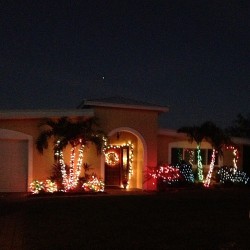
(77,134)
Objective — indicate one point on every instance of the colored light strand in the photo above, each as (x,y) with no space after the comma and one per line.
(211,167)
(199,165)
(229,175)
(79,164)
(94,185)
(235,156)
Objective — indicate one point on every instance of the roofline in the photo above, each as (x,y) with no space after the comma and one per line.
(118,105)
(36,114)
(240,140)
(172,132)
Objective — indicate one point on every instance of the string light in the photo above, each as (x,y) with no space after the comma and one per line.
(36,187)
(94,185)
(71,180)
(211,167)
(165,173)
(79,164)
(71,169)
(112,158)
(190,155)
(186,172)
(63,170)
(235,156)
(50,186)
(228,174)
(199,165)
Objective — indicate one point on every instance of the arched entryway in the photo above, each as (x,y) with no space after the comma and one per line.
(126,156)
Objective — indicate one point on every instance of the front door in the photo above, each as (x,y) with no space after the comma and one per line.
(116,165)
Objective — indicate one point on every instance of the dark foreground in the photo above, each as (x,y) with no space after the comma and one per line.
(178,219)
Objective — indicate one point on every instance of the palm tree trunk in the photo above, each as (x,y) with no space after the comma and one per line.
(199,164)
(63,170)
(235,160)
(79,164)
(71,169)
(211,167)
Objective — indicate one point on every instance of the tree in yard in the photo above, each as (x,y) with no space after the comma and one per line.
(195,133)
(77,134)
(217,139)
(240,127)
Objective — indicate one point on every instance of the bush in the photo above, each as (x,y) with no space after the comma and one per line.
(230,176)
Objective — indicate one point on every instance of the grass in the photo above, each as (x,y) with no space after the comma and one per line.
(177,219)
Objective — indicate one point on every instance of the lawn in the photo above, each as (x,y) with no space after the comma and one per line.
(177,219)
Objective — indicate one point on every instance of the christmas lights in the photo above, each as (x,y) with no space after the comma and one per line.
(199,165)
(235,156)
(186,172)
(165,173)
(79,164)
(71,180)
(37,187)
(94,185)
(229,175)
(211,167)
(50,186)
(189,155)
(112,158)
(71,183)
(130,157)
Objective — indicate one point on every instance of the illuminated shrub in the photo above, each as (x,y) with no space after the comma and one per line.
(57,175)
(37,187)
(186,172)
(50,186)
(229,175)
(94,184)
(164,175)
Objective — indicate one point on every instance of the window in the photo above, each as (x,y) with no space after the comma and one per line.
(189,155)
(176,155)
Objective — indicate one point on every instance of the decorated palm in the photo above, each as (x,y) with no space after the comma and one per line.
(76,134)
(217,139)
(195,133)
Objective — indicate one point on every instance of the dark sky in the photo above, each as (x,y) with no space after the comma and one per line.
(193,56)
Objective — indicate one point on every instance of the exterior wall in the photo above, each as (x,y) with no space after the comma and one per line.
(163,147)
(145,122)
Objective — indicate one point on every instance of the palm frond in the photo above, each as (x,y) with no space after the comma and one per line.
(42,140)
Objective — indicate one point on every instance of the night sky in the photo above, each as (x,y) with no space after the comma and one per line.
(193,56)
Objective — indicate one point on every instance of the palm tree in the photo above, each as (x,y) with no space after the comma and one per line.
(195,133)
(76,134)
(217,139)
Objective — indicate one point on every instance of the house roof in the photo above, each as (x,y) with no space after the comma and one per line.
(122,102)
(174,133)
(35,114)
(170,132)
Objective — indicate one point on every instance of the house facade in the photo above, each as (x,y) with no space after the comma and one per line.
(135,143)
